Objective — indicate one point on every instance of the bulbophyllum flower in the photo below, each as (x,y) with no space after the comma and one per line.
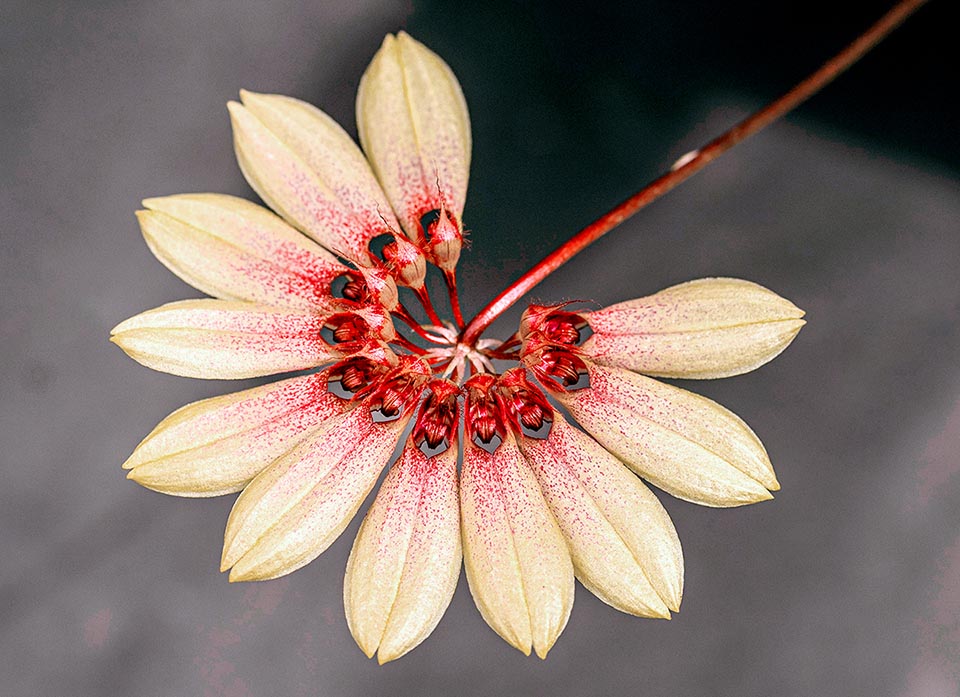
(537,502)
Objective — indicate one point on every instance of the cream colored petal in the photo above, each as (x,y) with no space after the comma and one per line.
(517,562)
(298,506)
(223,340)
(217,445)
(414,127)
(305,167)
(709,328)
(236,250)
(683,443)
(405,562)
(623,545)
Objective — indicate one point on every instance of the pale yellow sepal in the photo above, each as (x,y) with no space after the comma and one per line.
(624,547)
(236,250)
(708,328)
(217,445)
(306,167)
(683,443)
(298,506)
(414,126)
(517,563)
(223,339)
(405,562)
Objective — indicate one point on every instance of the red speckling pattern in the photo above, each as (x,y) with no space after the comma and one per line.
(299,505)
(215,446)
(517,563)
(224,339)
(405,563)
(235,250)
(623,544)
(683,443)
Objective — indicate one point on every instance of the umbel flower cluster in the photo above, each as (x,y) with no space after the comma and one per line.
(524,498)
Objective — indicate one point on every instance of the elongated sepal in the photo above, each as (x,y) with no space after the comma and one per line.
(297,507)
(414,126)
(217,445)
(623,545)
(223,340)
(681,442)
(709,328)
(236,250)
(405,562)
(305,167)
(517,563)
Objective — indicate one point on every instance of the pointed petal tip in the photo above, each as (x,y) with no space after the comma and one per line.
(243,575)
(251,99)
(368,651)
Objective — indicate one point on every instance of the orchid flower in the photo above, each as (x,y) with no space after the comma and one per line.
(525,500)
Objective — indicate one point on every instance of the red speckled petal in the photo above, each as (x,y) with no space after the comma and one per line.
(683,443)
(414,127)
(305,167)
(223,340)
(709,328)
(216,446)
(517,562)
(405,562)
(623,545)
(299,505)
(236,250)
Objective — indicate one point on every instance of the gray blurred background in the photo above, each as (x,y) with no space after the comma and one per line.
(848,583)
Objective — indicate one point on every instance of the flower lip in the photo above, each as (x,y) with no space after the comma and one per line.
(444,240)
(436,424)
(485,412)
(351,329)
(529,411)
(353,376)
(553,324)
(403,260)
(398,391)
(557,367)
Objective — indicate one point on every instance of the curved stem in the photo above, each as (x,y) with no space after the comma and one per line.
(424,298)
(400,340)
(404,314)
(451,279)
(690,164)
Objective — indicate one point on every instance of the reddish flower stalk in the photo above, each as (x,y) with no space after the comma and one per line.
(690,164)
